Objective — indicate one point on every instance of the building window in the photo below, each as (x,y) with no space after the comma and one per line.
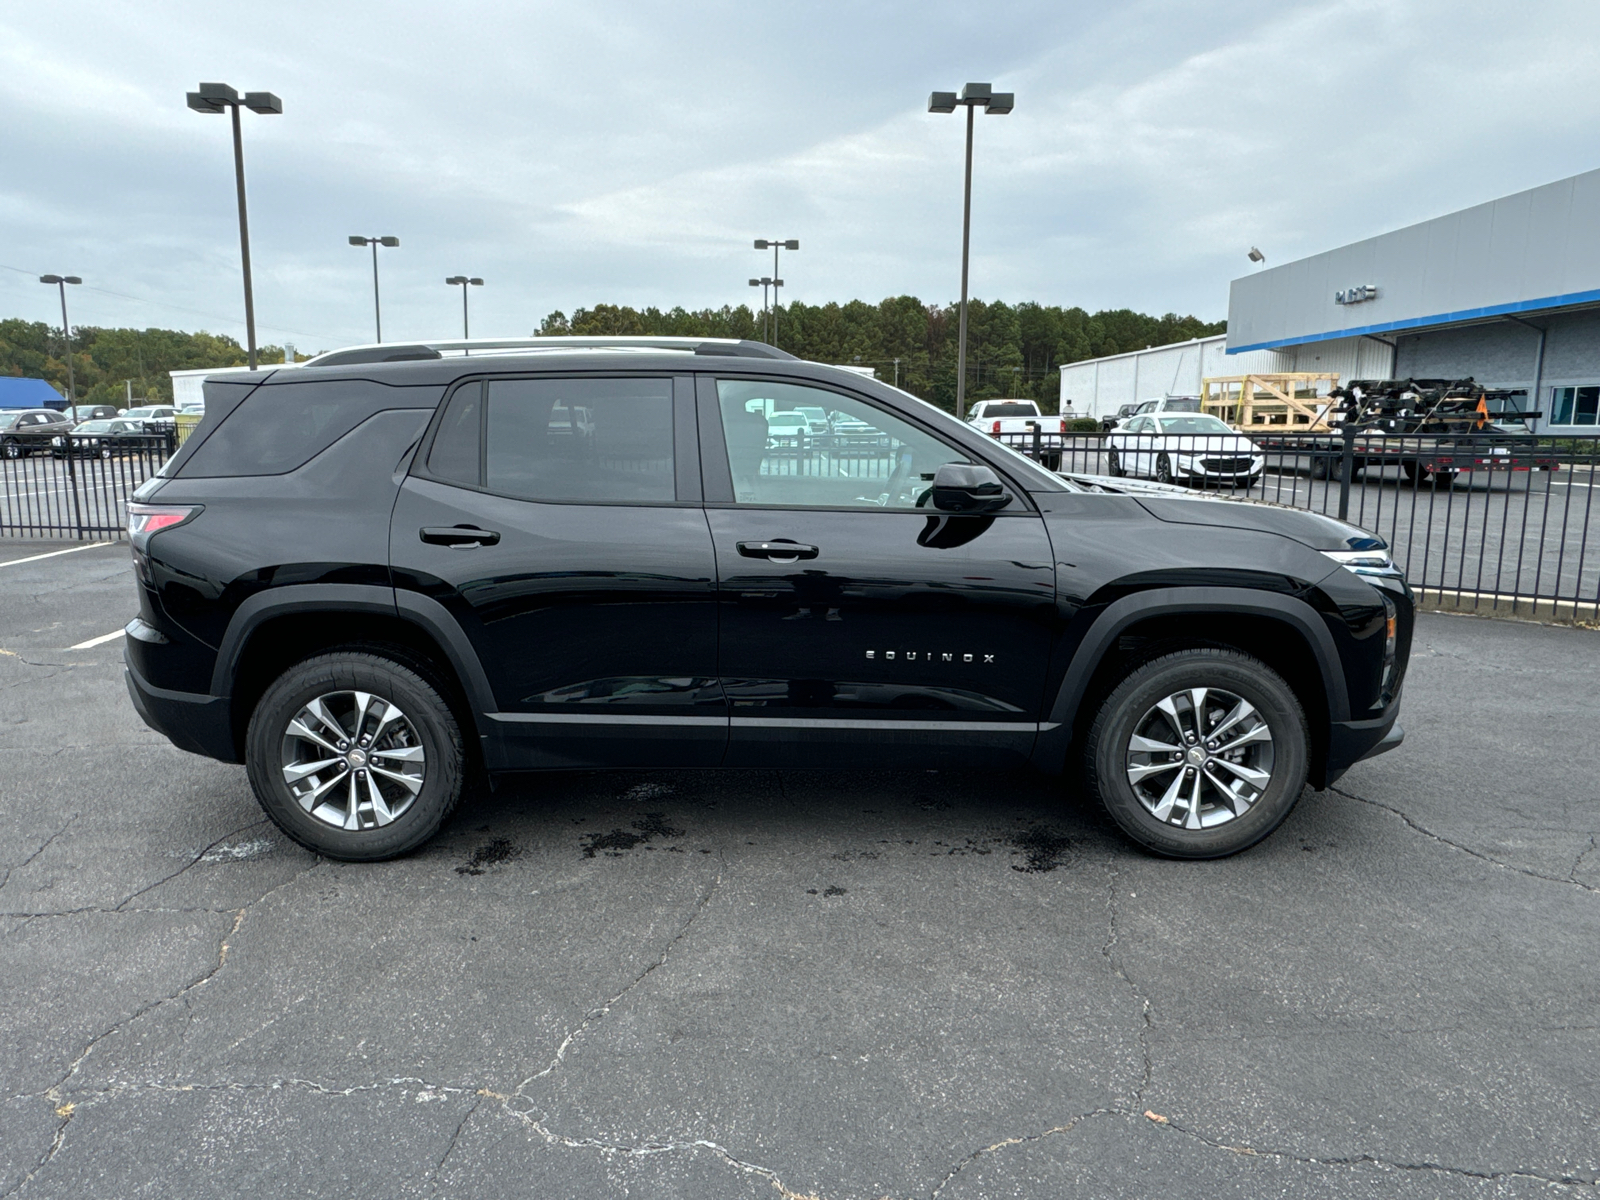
(1574,405)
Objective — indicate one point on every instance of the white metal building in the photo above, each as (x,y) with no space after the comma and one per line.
(1506,292)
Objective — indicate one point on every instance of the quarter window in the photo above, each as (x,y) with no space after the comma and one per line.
(857,456)
(585,440)
(1575,406)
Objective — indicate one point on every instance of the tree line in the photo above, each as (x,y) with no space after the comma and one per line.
(106,361)
(1012,349)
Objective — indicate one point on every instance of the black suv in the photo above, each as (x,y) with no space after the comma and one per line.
(368,580)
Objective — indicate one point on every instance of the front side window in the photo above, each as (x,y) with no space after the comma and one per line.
(861,456)
(581,440)
(1575,406)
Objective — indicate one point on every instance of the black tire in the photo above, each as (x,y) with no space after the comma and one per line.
(1114,465)
(422,701)
(12,448)
(1107,747)
(1163,469)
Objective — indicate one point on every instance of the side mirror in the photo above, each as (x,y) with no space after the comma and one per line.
(968,488)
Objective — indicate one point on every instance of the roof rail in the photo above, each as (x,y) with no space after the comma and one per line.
(412,351)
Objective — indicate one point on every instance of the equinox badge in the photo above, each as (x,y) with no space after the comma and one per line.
(930,656)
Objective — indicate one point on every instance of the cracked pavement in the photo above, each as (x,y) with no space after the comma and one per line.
(748,984)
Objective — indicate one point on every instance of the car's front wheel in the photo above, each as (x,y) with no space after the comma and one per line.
(1114,464)
(1200,753)
(355,755)
(1163,469)
(12,448)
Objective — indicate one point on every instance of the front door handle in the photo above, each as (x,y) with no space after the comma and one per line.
(462,537)
(779,551)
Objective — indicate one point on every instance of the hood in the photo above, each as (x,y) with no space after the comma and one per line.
(1185,506)
(1207,443)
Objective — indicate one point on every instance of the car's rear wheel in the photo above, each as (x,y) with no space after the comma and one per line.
(355,756)
(1199,753)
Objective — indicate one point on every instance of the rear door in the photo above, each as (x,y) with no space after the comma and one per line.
(858,627)
(559,520)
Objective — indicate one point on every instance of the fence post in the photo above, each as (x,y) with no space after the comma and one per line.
(72,482)
(1347,461)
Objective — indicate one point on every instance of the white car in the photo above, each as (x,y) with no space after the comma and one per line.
(789,430)
(153,418)
(1183,448)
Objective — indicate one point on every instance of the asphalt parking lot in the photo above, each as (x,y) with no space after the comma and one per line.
(743,984)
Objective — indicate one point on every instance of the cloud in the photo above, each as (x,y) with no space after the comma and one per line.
(629,152)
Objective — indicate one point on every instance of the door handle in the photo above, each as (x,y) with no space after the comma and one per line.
(779,551)
(461,537)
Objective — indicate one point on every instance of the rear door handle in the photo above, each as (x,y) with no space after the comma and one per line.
(462,537)
(779,551)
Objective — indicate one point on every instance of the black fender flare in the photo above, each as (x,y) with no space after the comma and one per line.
(422,611)
(1055,734)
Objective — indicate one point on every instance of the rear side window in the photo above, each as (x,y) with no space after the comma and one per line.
(455,456)
(583,440)
(280,427)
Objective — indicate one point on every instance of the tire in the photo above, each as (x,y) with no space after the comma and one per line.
(1132,708)
(12,448)
(1114,465)
(1163,469)
(424,721)
(105,452)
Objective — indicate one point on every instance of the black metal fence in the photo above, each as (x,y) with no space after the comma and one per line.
(51,492)
(1486,521)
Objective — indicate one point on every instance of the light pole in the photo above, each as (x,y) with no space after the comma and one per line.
(763,283)
(61,281)
(775,245)
(216,98)
(464,281)
(973,96)
(375,242)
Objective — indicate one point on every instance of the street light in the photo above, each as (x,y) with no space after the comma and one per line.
(464,282)
(216,98)
(973,96)
(763,283)
(775,245)
(61,281)
(375,242)
(1256,256)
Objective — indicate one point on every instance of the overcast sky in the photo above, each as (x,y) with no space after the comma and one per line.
(629,152)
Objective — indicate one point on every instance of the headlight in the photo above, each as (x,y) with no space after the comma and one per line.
(1364,562)
(55,441)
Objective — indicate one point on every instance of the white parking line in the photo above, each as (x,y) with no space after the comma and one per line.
(11,562)
(96,641)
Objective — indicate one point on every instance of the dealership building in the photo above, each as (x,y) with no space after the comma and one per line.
(1506,292)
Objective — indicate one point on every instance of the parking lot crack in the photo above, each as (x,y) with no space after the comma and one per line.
(192,862)
(1418,827)
(1109,952)
(1019,1140)
(1357,1160)
(6,878)
(438,1167)
(64,1113)
(1578,862)
(598,1014)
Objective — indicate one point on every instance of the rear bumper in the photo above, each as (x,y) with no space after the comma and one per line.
(191,721)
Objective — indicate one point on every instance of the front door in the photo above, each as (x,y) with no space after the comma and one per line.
(857,626)
(559,520)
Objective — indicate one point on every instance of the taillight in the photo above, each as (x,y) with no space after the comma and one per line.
(995,429)
(1063,424)
(147,520)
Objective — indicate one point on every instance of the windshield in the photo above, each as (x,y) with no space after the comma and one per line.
(94,427)
(789,417)
(7,420)
(813,414)
(1195,424)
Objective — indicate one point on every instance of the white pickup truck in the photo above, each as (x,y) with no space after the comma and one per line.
(1020,425)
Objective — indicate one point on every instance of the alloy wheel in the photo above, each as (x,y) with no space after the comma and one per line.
(353,760)
(1200,758)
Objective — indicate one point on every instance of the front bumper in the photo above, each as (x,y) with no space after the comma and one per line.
(191,721)
(1350,742)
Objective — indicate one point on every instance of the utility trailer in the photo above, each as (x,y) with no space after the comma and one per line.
(1432,429)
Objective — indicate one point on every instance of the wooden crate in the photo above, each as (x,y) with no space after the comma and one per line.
(1288,400)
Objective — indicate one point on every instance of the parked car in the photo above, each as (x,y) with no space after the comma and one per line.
(1111,420)
(154,418)
(26,430)
(1020,425)
(100,439)
(1189,448)
(1168,404)
(494,599)
(789,430)
(90,412)
(816,419)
